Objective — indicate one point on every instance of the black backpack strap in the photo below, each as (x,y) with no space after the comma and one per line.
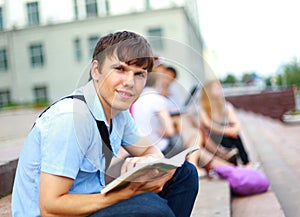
(106,146)
(80,97)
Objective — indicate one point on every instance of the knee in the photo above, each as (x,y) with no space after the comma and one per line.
(161,211)
(154,206)
(189,175)
(191,170)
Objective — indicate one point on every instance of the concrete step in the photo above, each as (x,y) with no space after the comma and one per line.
(5,209)
(213,199)
(262,205)
(7,174)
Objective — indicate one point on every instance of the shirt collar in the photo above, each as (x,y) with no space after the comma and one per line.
(93,101)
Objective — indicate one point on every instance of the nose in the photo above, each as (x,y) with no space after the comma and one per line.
(128,79)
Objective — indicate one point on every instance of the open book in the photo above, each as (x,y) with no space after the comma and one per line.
(163,165)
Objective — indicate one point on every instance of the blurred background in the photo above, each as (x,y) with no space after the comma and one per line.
(46,45)
(251,46)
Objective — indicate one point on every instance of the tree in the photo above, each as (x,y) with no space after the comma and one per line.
(230,79)
(245,77)
(291,73)
(248,76)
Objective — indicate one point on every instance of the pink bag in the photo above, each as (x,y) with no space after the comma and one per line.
(244,181)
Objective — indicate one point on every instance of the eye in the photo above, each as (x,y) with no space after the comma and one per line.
(140,74)
(119,68)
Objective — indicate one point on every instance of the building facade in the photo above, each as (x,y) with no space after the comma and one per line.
(46,45)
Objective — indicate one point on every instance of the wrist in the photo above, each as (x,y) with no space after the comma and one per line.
(153,156)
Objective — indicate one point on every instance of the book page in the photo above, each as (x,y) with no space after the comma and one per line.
(163,165)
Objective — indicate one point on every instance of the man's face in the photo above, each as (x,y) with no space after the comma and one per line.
(118,84)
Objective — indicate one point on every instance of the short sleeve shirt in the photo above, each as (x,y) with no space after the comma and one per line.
(145,112)
(65,141)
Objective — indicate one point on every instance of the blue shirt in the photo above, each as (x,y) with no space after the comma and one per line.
(65,141)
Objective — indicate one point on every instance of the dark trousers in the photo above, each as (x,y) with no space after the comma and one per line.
(229,142)
(176,199)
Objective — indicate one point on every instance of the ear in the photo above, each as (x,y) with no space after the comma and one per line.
(95,70)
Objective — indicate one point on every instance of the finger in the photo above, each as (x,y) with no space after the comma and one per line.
(133,162)
(144,184)
(152,186)
(125,165)
(155,189)
(129,164)
(147,175)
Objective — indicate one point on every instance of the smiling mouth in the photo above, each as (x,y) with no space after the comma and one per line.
(125,94)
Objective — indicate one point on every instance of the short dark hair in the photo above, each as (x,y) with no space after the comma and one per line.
(129,47)
(173,70)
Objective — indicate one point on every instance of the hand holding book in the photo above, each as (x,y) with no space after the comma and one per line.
(144,171)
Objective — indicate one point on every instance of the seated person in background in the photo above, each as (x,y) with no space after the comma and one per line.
(151,114)
(218,117)
(185,120)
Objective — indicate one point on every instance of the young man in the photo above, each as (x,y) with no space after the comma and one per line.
(62,165)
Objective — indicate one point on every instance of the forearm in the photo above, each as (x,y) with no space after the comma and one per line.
(153,151)
(167,128)
(143,148)
(215,128)
(211,125)
(55,199)
(79,204)
(236,127)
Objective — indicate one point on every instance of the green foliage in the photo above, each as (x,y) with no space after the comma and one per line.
(291,73)
(279,80)
(37,104)
(41,103)
(269,81)
(247,75)
(230,79)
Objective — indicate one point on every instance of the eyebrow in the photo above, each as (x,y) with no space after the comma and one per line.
(125,65)
(117,64)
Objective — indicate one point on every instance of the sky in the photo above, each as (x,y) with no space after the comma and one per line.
(250,35)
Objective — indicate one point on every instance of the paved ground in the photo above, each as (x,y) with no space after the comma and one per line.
(14,127)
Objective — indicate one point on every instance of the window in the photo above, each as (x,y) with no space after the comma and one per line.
(4,98)
(155,38)
(3,60)
(91,8)
(75,9)
(92,43)
(1,19)
(33,13)
(40,94)
(107,7)
(78,50)
(147,4)
(36,55)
